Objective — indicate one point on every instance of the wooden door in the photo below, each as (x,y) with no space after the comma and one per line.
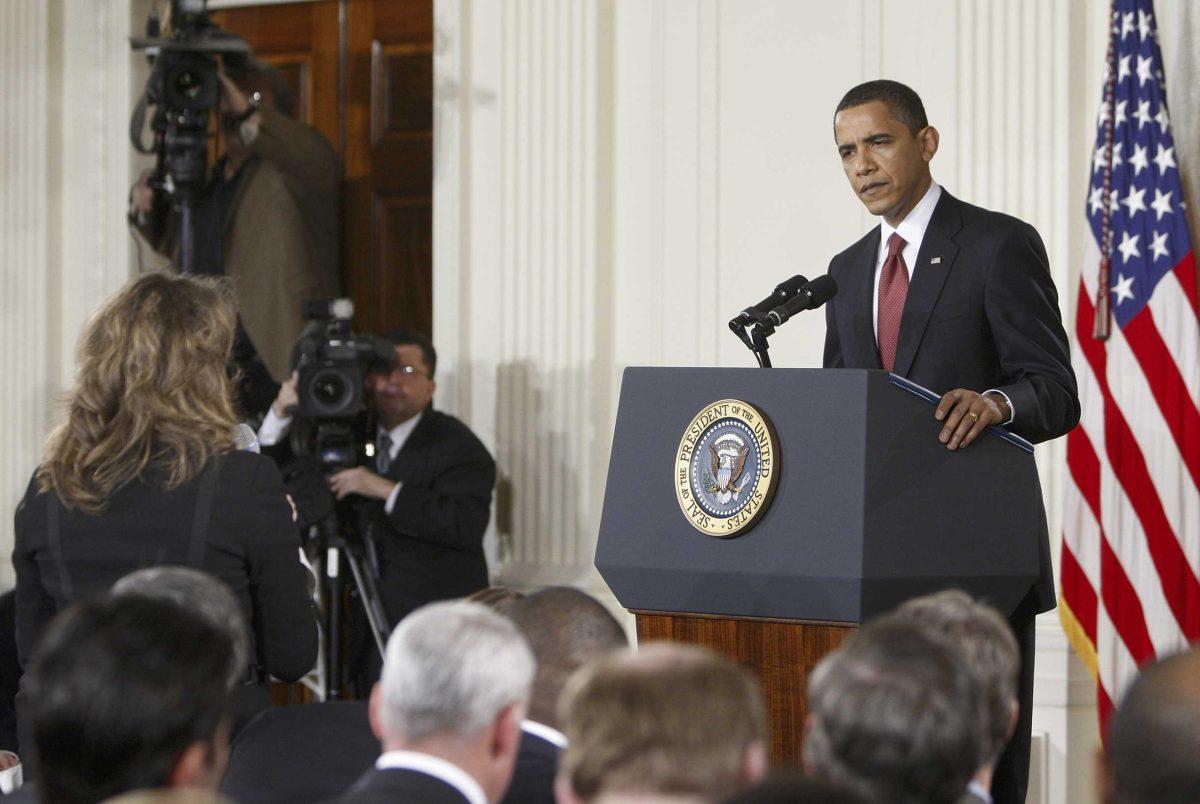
(389,163)
(301,39)
(386,118)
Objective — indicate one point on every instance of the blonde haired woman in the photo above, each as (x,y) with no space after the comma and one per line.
(143,472)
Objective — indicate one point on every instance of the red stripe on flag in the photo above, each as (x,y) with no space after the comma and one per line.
(1123,605)
(1080,596)
(1085,468)
(1168,387)
(1128,464)
(1104,706)
(1120,598)
(1185,272)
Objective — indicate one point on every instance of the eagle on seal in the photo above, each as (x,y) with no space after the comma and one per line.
(728,463)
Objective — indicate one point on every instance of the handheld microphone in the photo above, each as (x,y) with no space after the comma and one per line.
(783,291)
(244,438)
(810,297)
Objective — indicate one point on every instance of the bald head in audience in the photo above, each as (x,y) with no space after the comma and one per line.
(893,716)
(669,723)
(1153,749)
(990,650)
(566,629)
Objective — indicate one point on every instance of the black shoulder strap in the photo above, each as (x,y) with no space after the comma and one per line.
(203,515)
(54,533)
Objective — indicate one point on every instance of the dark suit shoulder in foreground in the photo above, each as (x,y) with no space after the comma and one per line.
(533,776)
(302,753)
(395,786)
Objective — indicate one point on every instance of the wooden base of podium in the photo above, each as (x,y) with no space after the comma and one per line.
(780,652)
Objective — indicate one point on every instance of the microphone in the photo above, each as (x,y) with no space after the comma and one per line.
(783,292)
(245,438)
(810,297)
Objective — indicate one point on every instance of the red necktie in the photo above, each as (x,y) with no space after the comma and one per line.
(893,290)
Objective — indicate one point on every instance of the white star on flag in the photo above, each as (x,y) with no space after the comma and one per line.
(1123,72)
(1128,246)
(1158,244)
(1163,119)
(1096,200)
(1144,21)
(1143,70)
(1165,158)
(1121,116)
(1123,288)
(1116,159)
(1161,203)
(1114,201)
(1134,200)
(1126,24)
(1142,115)
(1139,160)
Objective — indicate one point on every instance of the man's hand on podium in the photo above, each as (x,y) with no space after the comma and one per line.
(967,414)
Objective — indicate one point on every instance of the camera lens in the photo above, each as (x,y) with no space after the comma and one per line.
(188,84)
(329,389)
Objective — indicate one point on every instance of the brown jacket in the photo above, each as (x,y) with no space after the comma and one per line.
(280,239)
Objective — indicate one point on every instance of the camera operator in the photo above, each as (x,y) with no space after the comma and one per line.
(428,494)
(267,219)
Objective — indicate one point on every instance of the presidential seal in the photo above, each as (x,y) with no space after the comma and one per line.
(726,468)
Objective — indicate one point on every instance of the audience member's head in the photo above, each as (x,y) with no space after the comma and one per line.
(990,649)
(794,788)
(153,391)
(1153,749)
(669,721)
(893,716)
(455,684)
(497,598)
(128,693)
(201,594)
(566,629)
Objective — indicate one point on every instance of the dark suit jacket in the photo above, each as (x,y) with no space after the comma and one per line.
(431,545)
(400,787)
(985,316)
(310,752)
(533,776)
(250,543)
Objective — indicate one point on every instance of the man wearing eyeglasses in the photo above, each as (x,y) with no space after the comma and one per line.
(429,490)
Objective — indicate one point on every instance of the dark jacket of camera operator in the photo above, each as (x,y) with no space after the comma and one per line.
(429,490)
(269,217)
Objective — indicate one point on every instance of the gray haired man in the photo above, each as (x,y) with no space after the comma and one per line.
(988,646)
(448,708)
(893,716)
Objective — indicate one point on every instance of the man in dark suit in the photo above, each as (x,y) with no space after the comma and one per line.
(428,492)
(955,298)
(448,708)
(566,629)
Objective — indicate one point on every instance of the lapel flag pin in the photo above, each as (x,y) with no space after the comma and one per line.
(935,261)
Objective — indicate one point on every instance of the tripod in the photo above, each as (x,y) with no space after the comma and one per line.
(335,549)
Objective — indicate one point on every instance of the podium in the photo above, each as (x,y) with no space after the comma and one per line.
(869,509)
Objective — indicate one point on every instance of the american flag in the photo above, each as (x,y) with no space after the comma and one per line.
(1131,542)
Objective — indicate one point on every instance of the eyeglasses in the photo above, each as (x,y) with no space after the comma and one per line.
(408,371)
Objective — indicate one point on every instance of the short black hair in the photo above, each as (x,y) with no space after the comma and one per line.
(401,337)
(118,689)
(902,101)
(1154,735)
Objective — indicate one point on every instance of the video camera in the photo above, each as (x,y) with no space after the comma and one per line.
(184,89)
(332,364)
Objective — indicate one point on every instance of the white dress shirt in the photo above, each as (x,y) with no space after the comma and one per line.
(912,229)
(275,427)
(436,767)
(550,735)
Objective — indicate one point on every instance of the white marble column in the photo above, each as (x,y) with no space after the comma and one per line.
(67,77)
